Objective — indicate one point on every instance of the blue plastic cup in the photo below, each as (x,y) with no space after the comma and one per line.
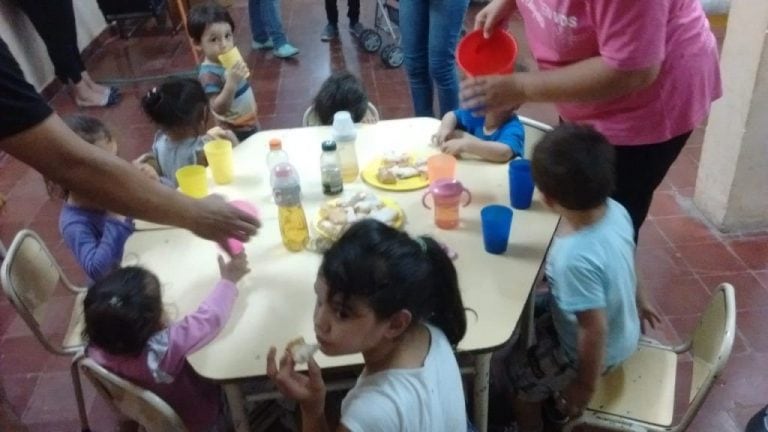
(520,184)
(496,220)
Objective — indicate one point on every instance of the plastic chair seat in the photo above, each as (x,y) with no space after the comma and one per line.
(631,391)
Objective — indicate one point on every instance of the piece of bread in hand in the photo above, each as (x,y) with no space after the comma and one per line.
(300,350)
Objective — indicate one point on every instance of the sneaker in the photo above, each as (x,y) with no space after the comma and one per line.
(286,50)
(329,32)
(356,29)
(262,45)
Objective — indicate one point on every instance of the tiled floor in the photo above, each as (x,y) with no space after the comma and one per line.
(681,257)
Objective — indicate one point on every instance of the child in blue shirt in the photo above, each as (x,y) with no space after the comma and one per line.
(592,322)
(496,137)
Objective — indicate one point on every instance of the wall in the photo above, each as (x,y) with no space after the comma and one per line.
(28,48)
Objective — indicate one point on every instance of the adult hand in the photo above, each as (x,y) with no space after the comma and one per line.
(214,219)
(574,399)
(308,390)
(235,269)
(492,93)
(495,14)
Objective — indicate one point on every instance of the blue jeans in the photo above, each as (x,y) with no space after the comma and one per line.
(266,22)
(430,31)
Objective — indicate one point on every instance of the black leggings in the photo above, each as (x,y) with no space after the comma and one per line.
(332,12)
(54,20)
(639,171)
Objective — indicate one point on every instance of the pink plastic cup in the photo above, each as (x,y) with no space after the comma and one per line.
(234,246)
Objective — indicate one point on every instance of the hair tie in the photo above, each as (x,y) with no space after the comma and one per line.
(115,302)
(422,244)
(154,97)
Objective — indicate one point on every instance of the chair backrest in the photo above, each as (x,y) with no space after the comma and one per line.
(711,345)
(310,118)
(136,403)
(534,130)
(29,275)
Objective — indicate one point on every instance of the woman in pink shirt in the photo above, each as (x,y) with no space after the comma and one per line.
(642,73)
(128,334)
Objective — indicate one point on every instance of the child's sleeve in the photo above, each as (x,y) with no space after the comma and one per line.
(513,135)
(211,81)
(194,330)
(462,118)
(97,255)
(372,411)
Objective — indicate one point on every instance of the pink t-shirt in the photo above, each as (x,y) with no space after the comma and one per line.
(630,35)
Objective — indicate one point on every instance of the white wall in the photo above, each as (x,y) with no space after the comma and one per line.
(28,48)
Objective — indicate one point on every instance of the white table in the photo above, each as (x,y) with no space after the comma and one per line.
(277,298)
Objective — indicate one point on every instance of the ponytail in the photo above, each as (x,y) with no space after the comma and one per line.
(178,102)
(448,313)
(392,271)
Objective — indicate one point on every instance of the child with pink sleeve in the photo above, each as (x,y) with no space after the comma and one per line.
(644,74)
(127,334)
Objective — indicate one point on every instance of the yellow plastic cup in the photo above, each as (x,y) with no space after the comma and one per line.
(192,180)
(219,155)
(230,58)
(441,166)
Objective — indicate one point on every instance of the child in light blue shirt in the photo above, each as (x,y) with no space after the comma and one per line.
(592,323)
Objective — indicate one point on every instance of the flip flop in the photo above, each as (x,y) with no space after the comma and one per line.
(113,97)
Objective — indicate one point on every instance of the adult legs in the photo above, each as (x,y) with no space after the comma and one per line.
(639,171)
(445,20)
(414,29)
(266,21)
(353,12)
(332,12)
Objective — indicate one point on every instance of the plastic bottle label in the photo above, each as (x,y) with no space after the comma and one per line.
(288,195)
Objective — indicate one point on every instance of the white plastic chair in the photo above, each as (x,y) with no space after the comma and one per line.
(310,119)
(30,275)
(130,400)
(534,130)
(639,395)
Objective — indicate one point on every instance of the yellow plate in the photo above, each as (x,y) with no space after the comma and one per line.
(409,184)
(398,222)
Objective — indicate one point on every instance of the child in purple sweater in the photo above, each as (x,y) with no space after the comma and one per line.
(95,236)
(127,333)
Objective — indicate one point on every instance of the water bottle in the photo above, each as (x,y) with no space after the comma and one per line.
(275,155)
(287,193)
(330,169)
(344,134)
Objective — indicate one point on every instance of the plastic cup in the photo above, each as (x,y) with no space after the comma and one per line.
(520,184)
(478,56)
(192,180)
(219,155)
(496,220)
(234,246)
(441,166)
(230,58)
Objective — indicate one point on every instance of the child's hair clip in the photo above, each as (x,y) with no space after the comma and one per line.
(115,302)
(153,97)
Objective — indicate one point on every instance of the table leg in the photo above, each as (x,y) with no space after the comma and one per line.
(236,408)
(482,377)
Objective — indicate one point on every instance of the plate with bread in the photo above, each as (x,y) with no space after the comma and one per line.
(336,215)
(397,171)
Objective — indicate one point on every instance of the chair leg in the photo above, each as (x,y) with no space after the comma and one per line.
(81,411)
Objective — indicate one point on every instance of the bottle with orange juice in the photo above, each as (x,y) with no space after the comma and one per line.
(287,193)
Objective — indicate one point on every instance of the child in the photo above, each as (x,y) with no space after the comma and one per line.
(496,137)
(396,300)
(95,236)
(342,91)
(210,26)
(180,108)
(128,334)
(592,323)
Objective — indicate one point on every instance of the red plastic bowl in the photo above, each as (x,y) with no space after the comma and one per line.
(478,56)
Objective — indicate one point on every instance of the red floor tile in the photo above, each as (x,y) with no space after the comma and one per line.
(752,326)
(651,236)
(710,258)
(21,355)
(665,204)
(750,293)
(54,399)
(683,173)
(679,296)
(762,276)
(753,251)
(18,389)
(680,230)
(654,263)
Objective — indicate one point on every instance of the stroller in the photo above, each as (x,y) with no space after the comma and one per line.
(387,14)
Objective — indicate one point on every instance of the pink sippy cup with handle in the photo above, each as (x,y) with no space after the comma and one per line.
(446,194)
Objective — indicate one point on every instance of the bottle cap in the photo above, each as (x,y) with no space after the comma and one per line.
(329,145)
(275,144)
(342,123)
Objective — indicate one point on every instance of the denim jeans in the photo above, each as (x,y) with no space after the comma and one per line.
(430,31)
(266,22)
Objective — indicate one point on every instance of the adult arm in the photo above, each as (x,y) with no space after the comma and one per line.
(53,149)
